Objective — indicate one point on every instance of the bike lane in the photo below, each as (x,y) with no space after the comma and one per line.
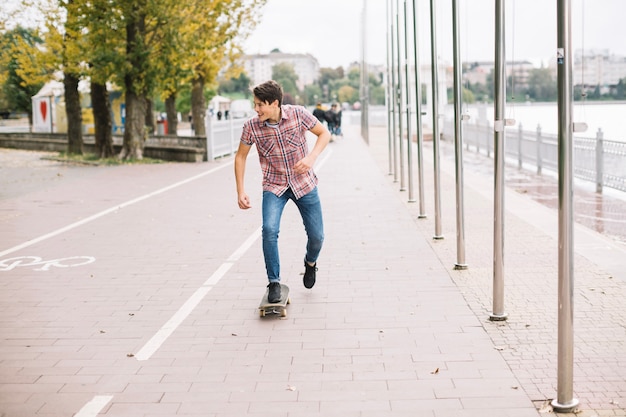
(105,259)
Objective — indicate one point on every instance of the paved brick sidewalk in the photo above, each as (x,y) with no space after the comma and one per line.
(135,293)
(390,329)
(528,339)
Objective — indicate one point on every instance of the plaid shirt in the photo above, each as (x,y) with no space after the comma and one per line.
(280,147)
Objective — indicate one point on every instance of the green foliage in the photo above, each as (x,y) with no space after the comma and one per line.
(377,94)
(312,94)
(285,75)
(337,86)
(542,85)
(17,60)
(347,94)
(237,86)
(620,89)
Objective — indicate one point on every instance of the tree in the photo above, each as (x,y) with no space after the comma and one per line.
(285,75)
(620,90)
(18,60)
(60,52)
(542,85)
(172,74)
(347,94)
(71,77)
(326,79)
(236,85)
(312,94)
(103,51)
(212,36)
(138,75)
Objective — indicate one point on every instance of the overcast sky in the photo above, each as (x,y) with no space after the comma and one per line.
(330,30)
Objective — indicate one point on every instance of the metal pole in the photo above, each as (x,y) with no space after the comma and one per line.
(393,98)
(499,123)
(520,153)
(210,137)
(539,145)
(399,100)
(458,140)
(365,108)
(599,161)
(435,110)
(418,114)
(565,401)
(388,94)
(233,138)
(407,96)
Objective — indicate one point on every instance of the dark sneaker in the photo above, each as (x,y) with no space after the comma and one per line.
(274,294)
(309,275)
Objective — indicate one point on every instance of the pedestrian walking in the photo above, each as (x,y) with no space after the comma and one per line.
(278,132)
(319,113)
(337,119)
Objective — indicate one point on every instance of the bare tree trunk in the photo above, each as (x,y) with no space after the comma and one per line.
(198,105)
(172,118)
(134,129)
(150,117)
(102,117)
(74,115)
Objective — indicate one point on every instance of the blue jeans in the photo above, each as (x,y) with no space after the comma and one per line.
(311,212)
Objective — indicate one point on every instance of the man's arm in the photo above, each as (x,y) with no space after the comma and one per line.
(323,137)
(240,168)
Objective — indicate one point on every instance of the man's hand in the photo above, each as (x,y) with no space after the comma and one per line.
(304,165)
(244,201)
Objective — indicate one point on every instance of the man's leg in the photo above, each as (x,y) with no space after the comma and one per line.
(311,211)
(272,212)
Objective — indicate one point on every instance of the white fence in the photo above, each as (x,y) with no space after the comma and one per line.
(222,136)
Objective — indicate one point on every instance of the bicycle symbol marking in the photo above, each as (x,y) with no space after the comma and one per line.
(42,265)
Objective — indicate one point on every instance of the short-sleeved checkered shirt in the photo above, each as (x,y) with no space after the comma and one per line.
(280,147)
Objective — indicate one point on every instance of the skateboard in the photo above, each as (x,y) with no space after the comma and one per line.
(275,308)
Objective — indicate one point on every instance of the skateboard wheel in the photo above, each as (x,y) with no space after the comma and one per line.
(283,313)
(262,313)
(288,300)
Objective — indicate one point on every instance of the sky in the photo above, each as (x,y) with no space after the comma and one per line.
(330,30)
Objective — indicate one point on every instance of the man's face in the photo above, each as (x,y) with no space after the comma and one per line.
(267,111)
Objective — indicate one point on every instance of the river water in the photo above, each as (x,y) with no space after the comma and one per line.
(597,115)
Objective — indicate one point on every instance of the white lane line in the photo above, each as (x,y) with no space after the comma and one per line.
(323,161)
(93,407)
(109,211)
(192,302)
(172,324)
(244,246)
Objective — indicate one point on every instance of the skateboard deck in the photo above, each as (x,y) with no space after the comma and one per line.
(275,308)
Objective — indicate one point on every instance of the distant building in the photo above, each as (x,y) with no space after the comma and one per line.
(598,68)
(259,67)
(594,68)
(477,72)
(372,69)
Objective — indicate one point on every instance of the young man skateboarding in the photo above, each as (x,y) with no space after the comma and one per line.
(278,132)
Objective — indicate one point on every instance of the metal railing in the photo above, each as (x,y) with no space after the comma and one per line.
(600,161)
(222,136)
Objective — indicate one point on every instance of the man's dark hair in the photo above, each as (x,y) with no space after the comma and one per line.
(268,92)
